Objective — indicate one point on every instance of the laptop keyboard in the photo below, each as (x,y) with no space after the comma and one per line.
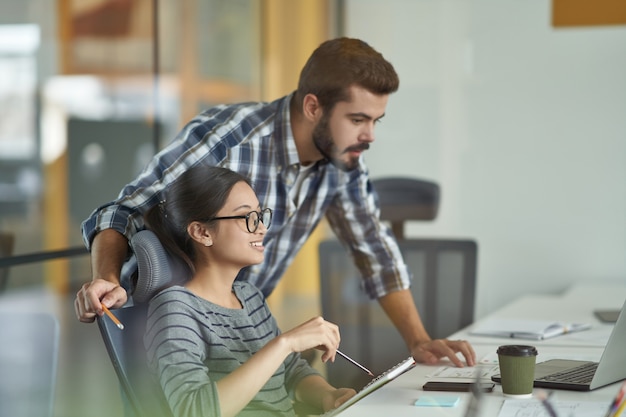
(582,374)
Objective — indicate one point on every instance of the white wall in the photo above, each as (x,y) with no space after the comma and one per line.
(522,125)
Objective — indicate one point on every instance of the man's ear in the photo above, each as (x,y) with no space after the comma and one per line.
(200,233)
(311,108)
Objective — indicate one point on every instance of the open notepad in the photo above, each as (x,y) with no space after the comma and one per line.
(526,329)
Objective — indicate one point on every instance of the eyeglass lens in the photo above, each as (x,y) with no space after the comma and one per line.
(252,221)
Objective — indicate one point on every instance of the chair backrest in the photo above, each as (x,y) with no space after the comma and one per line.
(402,199)
(29,350)
(141,392)
(156,268)
(443,287)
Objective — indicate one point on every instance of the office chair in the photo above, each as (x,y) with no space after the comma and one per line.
(402,199)
(29,351)
(443,285)
(141,392)
(7,241)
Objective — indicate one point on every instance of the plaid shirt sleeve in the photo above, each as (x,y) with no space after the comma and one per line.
(354,216)
(210,138)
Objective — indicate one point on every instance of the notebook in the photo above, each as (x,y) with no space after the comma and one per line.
(527,329)
(583,375)
(387,376)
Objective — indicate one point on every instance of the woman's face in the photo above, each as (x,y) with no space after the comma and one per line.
(232,242)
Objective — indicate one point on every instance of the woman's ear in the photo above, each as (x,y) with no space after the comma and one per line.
(200,233)
(311,108)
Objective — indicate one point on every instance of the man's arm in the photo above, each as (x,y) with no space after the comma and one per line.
(400,308)
(108,252)
(354,217)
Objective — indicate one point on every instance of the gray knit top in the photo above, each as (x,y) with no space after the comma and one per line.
(192,343)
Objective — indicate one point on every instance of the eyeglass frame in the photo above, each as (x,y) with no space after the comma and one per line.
(247,217)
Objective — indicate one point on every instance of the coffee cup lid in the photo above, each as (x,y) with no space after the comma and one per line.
(517,350)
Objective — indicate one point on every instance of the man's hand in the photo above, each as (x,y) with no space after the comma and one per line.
(91,296)
(108,251)
(432,351)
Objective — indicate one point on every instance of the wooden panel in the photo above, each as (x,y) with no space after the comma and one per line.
(290,33)
(566,13)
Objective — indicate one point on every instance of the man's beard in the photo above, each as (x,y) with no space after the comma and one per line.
(325,144)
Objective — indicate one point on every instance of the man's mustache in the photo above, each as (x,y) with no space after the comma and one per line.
(357,148)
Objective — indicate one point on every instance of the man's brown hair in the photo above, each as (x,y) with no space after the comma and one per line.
(340,63)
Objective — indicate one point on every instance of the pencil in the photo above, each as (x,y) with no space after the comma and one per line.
(349,359)
(112,317)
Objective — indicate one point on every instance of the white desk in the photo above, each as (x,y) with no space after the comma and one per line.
(396,398)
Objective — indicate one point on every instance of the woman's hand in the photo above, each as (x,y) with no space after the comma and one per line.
(333,399)
(315,333)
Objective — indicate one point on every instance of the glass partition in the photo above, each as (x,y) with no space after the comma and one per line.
(89,90)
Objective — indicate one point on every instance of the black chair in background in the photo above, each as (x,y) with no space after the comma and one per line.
(443,285)
(402,199)
(7,240)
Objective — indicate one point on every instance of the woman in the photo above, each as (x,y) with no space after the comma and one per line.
(214,345)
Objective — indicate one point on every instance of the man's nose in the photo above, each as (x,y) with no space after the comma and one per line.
(368,133)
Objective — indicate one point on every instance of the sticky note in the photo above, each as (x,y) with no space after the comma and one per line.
(437,401)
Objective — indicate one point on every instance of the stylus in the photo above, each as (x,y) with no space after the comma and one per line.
(349,359)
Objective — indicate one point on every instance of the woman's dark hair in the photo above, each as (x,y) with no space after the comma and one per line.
(198,194)
(340,63)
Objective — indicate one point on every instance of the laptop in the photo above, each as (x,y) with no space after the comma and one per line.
(583,375)
(387,376)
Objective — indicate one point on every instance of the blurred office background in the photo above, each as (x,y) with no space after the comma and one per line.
(517,109)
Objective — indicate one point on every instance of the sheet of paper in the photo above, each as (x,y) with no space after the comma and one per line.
(484,372)
(534,408)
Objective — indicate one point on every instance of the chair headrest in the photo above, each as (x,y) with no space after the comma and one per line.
(156,268)
(404,198)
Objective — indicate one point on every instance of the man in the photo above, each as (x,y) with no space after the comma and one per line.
(302,153)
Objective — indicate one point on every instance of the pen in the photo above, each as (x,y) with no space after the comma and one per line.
(618,404)
(112,317)
(349,359)
(545,400)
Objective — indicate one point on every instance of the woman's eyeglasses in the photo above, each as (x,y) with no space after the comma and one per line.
(252,219)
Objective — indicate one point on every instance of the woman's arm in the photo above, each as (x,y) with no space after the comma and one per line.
(239,387)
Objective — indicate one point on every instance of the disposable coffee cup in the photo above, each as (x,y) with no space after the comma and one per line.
(517,370)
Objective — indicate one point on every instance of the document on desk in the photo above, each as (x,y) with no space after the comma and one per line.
(481,371)
(534,408)
(526,329)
